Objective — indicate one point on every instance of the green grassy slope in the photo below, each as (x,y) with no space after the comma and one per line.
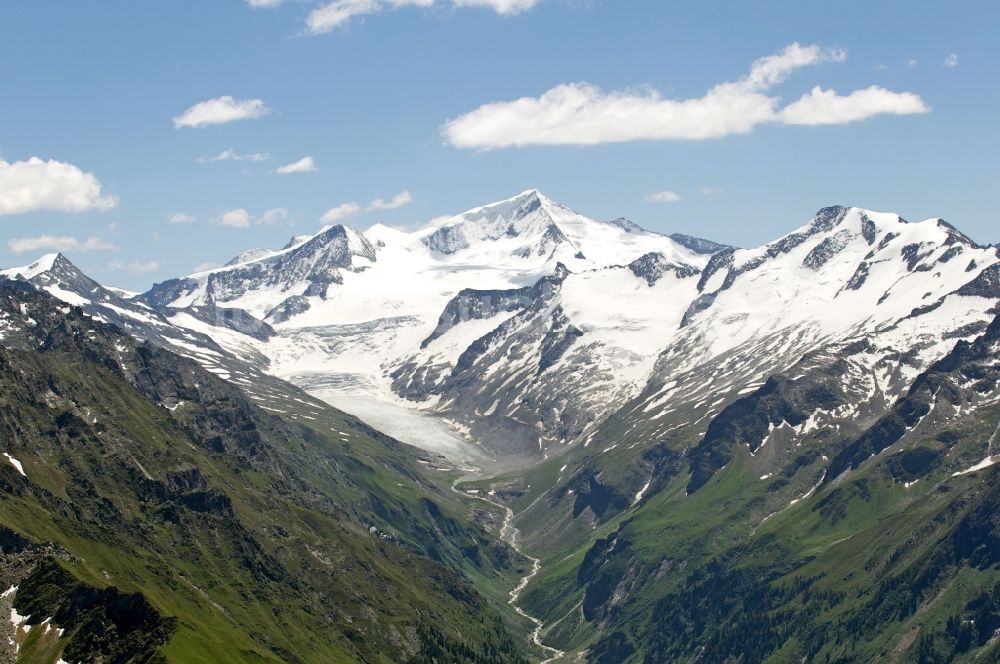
(245,536)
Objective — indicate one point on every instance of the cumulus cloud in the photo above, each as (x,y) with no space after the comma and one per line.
(304,165)
(180,218)
(237,218)
(240,218)
(62,243)
(233,155)
(221,110)
(663,197)
(36,184)
(338,13)
(397,201)
(339,212)
(819,107)
(951,60)
(135,267)
(583,114)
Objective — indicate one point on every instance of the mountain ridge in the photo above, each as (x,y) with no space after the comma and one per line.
(388,294)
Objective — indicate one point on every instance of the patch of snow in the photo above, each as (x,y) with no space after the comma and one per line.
(17,464)
(638,496)
(985,463)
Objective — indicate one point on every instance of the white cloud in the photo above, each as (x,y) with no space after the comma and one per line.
(710,191)
(135,267)
(502,7)
(220,111)
(397,201)
(273,216)
(261,4)
(338,13)
(180,218)
(912,62)
(304,165)
(32,185)
(822,107)
(583,114)
(951,60)
(335,14)
(62,243)
(339,212)
(233,155)
(238,218)
(347,210)
(663,197)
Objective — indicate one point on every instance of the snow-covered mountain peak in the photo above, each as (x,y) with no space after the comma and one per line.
(60,277)
(514,207)
(626,225)
(247,256)
(533,232)
(43,264)
(267,282)
(529,219)
(296,241)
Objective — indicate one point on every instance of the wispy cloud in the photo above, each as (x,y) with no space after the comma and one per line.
(663,197)
(233,155)
(221,110)
(951,60)
(273,216)
(180,218)
(264,4)
(710,191)
(583,114)
(397,201)
(339,13)
(240,218)
(63,243)
(352,209)
(35,184)
(304,165)
(339,213)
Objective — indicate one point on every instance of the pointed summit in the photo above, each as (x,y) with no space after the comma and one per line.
(528,220)
(28,272)
(59,276)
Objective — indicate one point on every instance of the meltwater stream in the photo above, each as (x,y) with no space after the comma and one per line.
(431,434)
(508,534)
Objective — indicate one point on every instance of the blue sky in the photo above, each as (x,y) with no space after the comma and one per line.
(96,152)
